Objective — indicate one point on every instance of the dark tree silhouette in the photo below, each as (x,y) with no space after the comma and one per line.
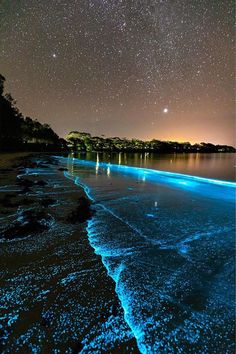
(10,121)
(19,133)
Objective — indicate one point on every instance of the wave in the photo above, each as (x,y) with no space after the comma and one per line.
(168,245)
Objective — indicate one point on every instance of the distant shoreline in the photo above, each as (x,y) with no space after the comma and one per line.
(61,152)
(80,141)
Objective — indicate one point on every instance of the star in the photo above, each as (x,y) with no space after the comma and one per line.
(132,62)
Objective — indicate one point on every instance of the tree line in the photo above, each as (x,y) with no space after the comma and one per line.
(23,133)
(80,141)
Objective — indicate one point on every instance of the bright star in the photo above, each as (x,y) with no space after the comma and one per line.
(165,110)
(54,55)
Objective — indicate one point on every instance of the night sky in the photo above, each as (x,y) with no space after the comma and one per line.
(143,69)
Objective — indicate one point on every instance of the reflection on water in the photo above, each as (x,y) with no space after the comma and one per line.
(218,166)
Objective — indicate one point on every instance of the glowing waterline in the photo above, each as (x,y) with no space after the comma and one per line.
(181,180)
(115,275)
(146,171)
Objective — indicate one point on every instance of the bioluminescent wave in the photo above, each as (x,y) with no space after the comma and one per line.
(176,180)
(167,240)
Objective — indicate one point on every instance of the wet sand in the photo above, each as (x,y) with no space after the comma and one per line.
(55,296)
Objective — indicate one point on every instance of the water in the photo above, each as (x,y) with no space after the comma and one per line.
(167,240)
(220,166)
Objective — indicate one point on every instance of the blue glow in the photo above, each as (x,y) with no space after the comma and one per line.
(164,266)
(145,171)
(115,274)
(211,188)
(150,215)
(50,283)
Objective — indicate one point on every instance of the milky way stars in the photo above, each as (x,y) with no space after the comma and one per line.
(144,69)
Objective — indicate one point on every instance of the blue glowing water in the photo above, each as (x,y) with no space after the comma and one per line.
(167,240)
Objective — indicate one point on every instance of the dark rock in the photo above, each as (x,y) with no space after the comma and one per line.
(47,202)
(28,222)
(24,182)
(45,322)
(78,347)
(7,201)
(47,319)
(82,213)
(25,190)
(115,309)
(25,201)
(62,169)
(40,183)
(196,300)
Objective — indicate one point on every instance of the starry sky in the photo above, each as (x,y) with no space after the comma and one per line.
(145,69)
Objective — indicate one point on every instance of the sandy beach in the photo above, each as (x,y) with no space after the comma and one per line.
(55,293)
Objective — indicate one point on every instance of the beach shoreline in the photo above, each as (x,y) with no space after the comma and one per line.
(55,292)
